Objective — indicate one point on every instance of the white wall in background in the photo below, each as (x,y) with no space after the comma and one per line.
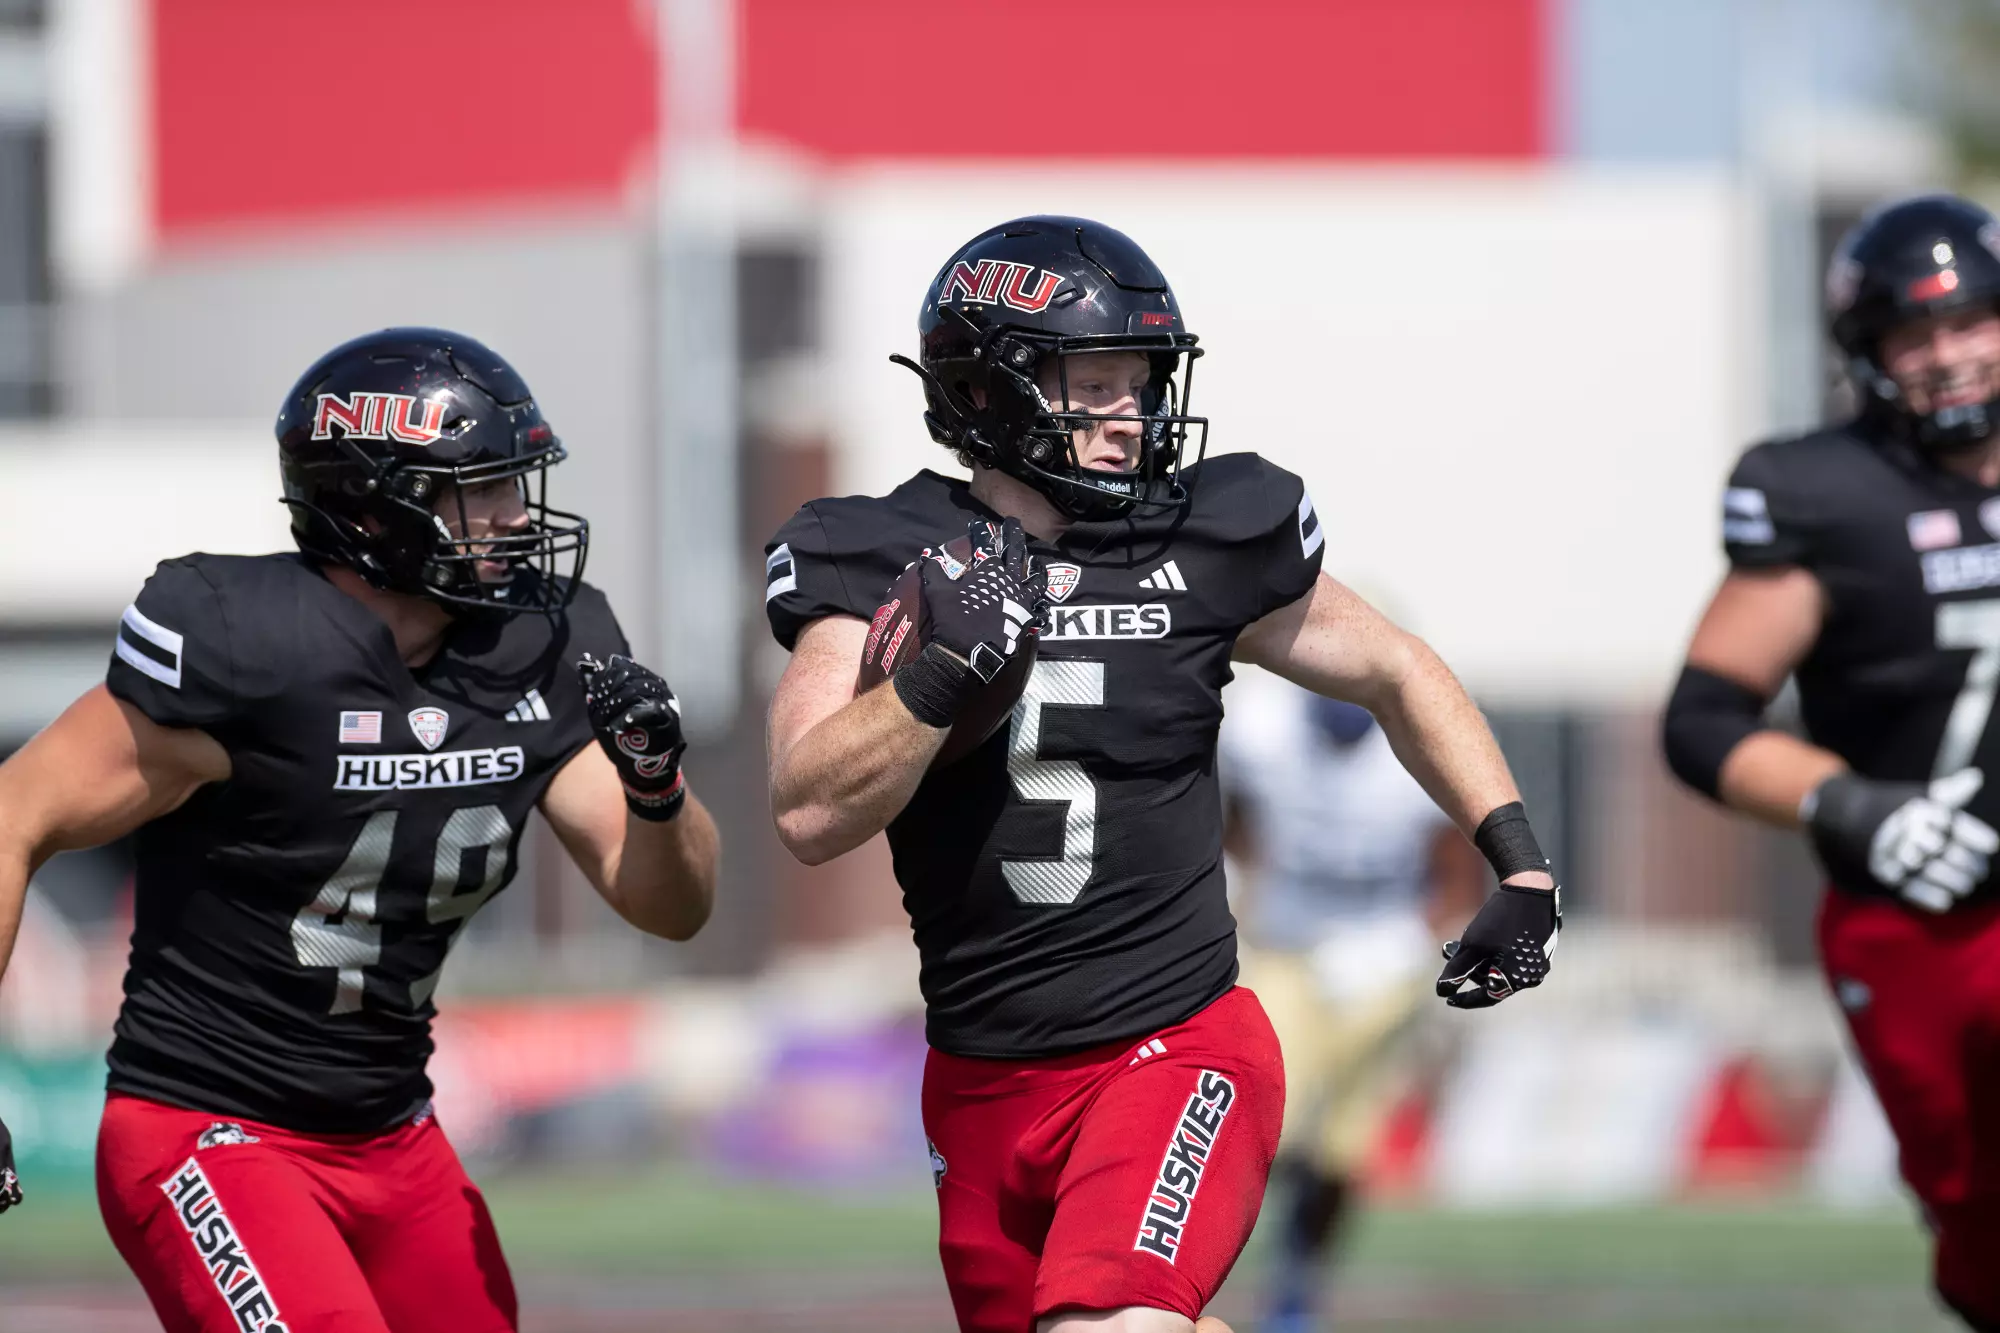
(1513,394)
(90,509)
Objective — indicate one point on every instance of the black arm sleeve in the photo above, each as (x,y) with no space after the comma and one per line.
(1707,717)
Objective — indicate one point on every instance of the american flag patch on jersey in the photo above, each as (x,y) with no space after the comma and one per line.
(1934,529)
(360,728)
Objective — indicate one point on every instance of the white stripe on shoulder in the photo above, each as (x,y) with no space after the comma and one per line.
(152,631)
(135,622)
(781,572)
(1312,533)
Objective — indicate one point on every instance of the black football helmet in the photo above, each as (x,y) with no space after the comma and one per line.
(383,429)
(1048,287)
(1918,257)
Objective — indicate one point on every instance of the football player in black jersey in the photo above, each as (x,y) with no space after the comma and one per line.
(1865,564)
(328,758)
(1102,1101)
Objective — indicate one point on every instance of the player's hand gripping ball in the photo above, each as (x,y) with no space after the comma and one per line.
(958,632)
(638,722)
(10,1184)
(1505,947)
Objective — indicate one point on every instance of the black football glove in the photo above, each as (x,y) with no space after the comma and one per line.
(638,722)
(976,613)
(10,1184)
(1916,841)
(1505,948)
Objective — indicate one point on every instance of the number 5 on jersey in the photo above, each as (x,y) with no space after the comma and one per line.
(1054,684)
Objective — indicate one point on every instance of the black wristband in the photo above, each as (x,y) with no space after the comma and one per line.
(935,686)
(1507,843)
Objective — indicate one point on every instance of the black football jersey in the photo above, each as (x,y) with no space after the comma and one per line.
(290,923)
(1901,681)
(1064,881)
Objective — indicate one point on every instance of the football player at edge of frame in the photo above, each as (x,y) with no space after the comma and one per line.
(328,758)
(1102,1100)
(1863,563)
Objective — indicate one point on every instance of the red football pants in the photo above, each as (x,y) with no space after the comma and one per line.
(1119,1176)
(233,1226)
(1922,998)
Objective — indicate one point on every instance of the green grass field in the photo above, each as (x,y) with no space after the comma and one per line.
(672,1250)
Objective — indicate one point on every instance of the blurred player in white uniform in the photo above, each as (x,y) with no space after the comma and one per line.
(1351,875)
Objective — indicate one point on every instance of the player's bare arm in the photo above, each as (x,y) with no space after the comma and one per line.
(842,766)
(1758,627)
(623,809)
(659,877)
(93,775)
(968,606)
(1334,643)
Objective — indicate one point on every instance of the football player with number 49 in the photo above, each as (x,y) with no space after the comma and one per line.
(1864,560)
(328,758)
(1102,1100)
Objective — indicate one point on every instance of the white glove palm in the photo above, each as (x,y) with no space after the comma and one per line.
(1930,850)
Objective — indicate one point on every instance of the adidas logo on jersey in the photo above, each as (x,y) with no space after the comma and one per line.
(530,709)
(1167,578)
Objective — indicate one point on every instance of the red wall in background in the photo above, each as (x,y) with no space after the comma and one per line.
(1163,78)
(276,112)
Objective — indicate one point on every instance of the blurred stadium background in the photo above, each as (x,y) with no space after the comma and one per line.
(1508,281)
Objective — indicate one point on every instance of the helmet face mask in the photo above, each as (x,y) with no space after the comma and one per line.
(379,442)
(1005,316)
(1914,261)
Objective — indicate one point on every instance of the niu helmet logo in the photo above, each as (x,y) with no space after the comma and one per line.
(998,281)
(379,416)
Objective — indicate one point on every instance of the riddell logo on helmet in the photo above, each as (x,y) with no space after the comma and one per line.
(379,416)
(998,281)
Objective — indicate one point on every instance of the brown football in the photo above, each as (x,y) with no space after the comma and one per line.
(896,636)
